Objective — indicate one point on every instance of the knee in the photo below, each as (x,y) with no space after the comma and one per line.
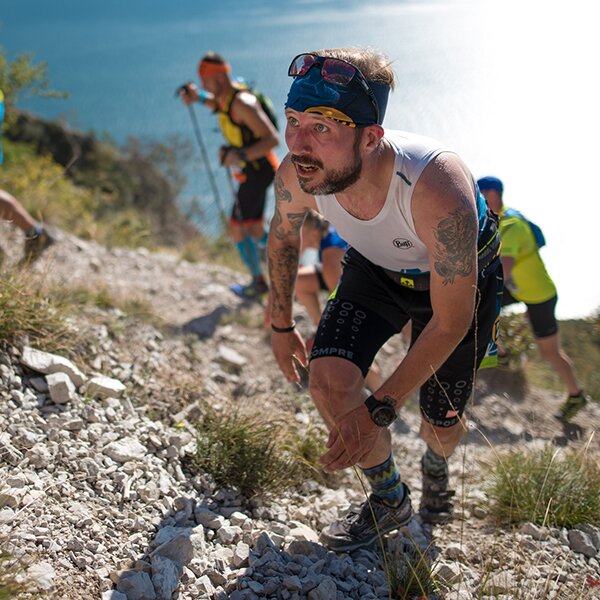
(257,231)
(235,234)
(325,380)
(334,388)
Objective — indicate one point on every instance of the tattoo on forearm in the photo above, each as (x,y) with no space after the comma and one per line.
(283,266)
(456,237)
(296,220)
(282,194)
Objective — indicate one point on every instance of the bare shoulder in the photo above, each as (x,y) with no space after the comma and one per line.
(446,181)
(245,106)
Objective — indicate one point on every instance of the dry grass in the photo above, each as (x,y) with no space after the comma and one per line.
(249,452)
(547,487)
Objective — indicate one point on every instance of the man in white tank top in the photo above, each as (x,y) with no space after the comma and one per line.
(423,248)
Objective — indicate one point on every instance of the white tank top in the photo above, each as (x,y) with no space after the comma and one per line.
(389,239)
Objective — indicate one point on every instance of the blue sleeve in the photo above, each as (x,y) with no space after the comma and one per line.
(332,239)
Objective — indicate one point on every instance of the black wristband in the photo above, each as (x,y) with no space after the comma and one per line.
(284,329)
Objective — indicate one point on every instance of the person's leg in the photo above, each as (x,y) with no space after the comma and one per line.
(37,237)
(553,354)
(245,247)
(248,213)
(239,233)
(11,210)
(348,337)
(444,397)
(256,230)
(307,292)
(545,329)
(336,386)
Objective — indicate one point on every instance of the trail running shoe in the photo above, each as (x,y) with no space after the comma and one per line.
(36,244)
(362,527)
(571,406)
(253,291)
(436,500)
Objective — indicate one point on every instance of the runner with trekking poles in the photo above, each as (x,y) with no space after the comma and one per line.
(249,128)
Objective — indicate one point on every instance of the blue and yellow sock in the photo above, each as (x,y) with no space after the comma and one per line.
(434,464)
(385,482)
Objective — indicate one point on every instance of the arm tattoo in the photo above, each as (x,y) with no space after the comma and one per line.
(296,220)
(283,261)
(282,194)
(283,267)
(456,237)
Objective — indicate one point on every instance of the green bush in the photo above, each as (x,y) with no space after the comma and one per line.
(546,487)
(516,338)
(28,311)
(11,588)
(21,77)
(251,453)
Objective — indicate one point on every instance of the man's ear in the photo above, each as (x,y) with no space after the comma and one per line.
(372,136)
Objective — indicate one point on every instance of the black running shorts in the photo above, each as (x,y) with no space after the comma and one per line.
(368,308)
(252,194)
(541,316)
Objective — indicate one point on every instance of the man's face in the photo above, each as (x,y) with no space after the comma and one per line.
(326,155)
(493,199)
(211,84)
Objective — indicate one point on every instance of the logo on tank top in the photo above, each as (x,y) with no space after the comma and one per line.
(402,244)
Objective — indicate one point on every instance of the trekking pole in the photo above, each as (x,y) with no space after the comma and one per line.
(211,177)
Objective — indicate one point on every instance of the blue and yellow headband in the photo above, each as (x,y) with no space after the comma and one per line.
(349,105)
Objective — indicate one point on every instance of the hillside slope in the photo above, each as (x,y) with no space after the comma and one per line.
(94,497)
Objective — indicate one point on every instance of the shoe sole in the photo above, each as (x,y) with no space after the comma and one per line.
(363,544)
(333,544)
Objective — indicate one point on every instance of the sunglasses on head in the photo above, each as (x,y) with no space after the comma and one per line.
(333,70)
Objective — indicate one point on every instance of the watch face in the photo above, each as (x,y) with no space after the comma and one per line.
(383,415)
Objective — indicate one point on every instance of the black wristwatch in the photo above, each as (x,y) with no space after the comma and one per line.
(382,413)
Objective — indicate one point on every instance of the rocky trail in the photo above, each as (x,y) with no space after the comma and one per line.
(96,502)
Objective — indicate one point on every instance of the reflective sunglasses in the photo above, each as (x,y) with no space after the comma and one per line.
(333,70)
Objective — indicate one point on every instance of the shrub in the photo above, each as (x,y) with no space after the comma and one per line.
(28,311)
(11,587)
(410,573)
(546,487)
(249,452)
(516,338)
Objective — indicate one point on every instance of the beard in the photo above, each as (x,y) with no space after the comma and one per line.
(334,180)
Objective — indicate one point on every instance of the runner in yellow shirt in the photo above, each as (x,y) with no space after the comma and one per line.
(526,280)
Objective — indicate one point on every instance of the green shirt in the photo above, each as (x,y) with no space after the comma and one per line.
(532,282)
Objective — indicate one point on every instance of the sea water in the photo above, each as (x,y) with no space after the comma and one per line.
(508,85)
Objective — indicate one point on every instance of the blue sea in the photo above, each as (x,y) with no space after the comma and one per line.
(509,85)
